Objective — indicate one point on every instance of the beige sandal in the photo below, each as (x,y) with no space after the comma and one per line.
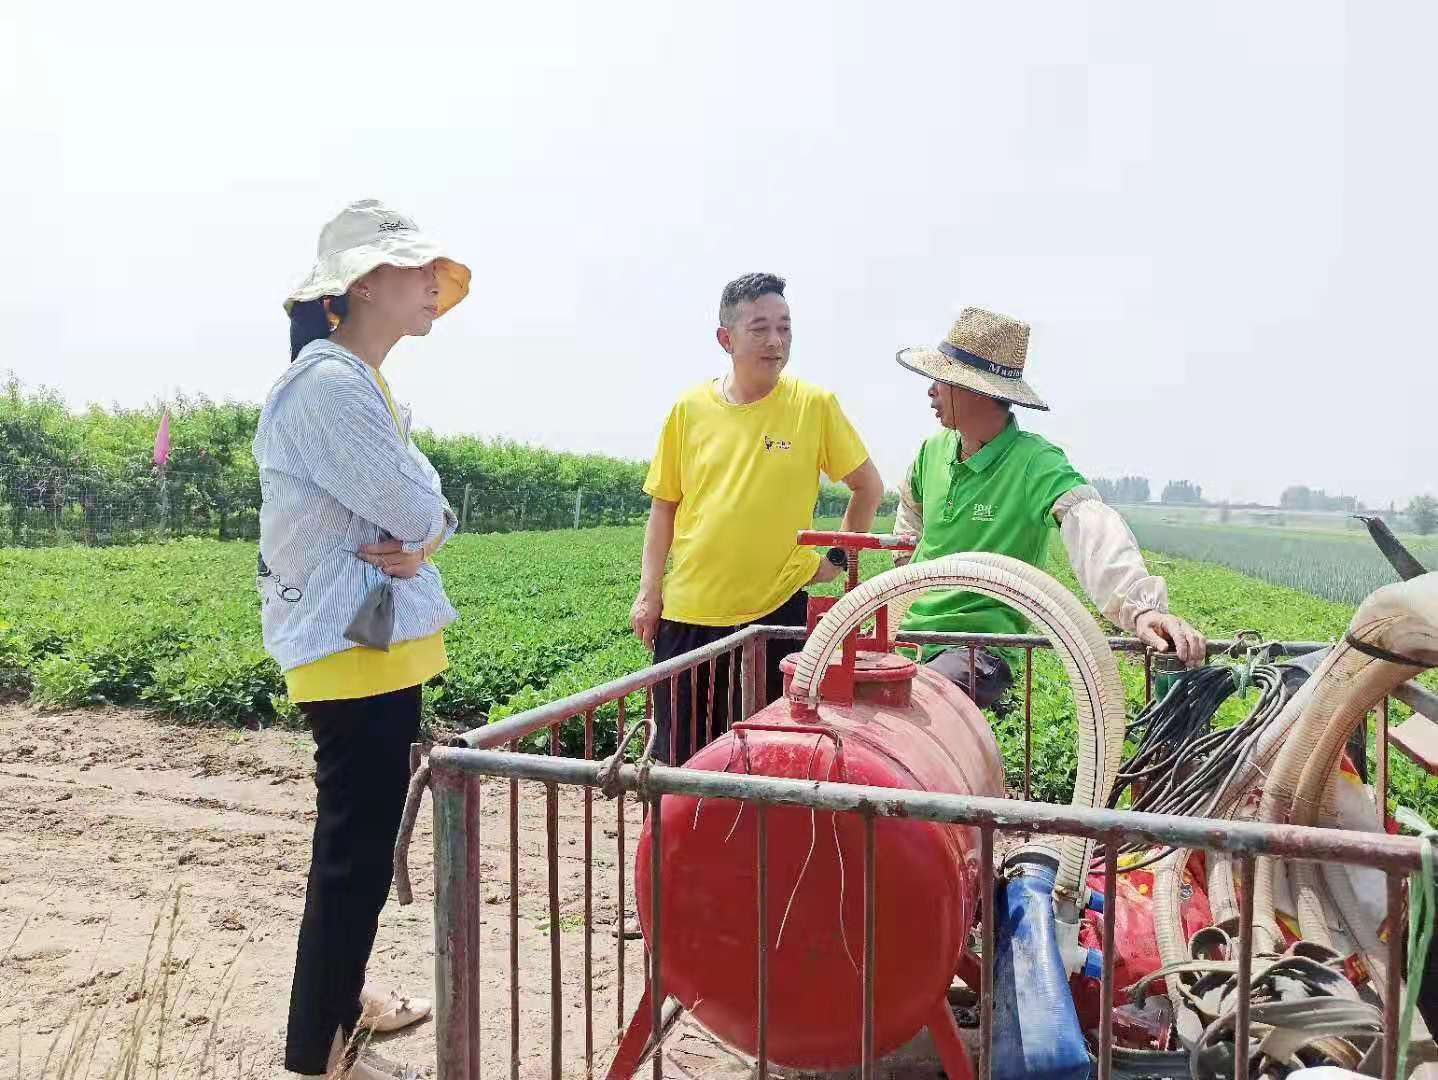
(372,1066)
(630,931)
(353,1060)
(386,1011)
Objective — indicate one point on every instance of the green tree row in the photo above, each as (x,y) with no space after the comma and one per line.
(88,477)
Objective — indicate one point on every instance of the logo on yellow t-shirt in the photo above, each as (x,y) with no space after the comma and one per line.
(775,444)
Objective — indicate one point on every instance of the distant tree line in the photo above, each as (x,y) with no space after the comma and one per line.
(1126,489)
(834,499)
(1181,493)
(1301,497)
(88,477)
(1131,490)
(1423,514)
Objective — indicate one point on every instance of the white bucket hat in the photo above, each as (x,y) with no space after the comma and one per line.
(984,352)
(367,234)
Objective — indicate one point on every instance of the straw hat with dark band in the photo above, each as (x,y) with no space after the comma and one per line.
(984,352)
(367,234)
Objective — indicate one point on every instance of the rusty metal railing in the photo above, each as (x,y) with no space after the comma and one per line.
(456,790)
(455,775)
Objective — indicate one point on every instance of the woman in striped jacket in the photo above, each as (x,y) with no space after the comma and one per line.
(352,608)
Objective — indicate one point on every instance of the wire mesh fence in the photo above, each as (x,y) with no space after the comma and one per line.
(48,507)
(488,510)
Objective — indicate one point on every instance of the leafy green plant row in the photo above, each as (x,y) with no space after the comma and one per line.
(175,627)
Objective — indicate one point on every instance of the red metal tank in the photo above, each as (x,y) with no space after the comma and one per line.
(904,728)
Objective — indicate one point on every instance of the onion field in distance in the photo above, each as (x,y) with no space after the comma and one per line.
(1344,566)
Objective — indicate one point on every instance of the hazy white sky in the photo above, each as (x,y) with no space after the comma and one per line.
(1218,217)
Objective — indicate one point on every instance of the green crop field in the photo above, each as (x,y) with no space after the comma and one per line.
(175,627)
(1335,565)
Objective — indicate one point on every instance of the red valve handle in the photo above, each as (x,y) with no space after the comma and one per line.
(840,683)
(866,541)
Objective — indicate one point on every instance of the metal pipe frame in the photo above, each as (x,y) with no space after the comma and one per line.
(456,772)
(751,642)
(1381,851)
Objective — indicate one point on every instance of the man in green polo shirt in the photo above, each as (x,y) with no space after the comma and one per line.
(984,484)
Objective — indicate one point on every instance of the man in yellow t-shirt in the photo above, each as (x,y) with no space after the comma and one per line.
(734,480)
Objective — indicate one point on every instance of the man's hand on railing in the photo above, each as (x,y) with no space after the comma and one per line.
(1165,633)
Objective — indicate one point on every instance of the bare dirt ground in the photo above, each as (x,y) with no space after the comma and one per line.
(104,813)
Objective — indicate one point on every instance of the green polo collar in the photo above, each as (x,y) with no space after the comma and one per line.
(991,451)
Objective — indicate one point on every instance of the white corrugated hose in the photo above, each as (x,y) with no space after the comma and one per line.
(1295,767)
(1075,635)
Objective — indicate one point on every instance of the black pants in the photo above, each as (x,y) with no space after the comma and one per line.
(677,743)
(992,676)
(361,776)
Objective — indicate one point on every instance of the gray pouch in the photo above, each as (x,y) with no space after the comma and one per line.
(373,623)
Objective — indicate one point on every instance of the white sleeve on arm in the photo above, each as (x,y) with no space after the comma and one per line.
(1106,558)
(349,442)
(910,518)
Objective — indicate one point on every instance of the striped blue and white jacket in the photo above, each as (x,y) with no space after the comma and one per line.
(335,475)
